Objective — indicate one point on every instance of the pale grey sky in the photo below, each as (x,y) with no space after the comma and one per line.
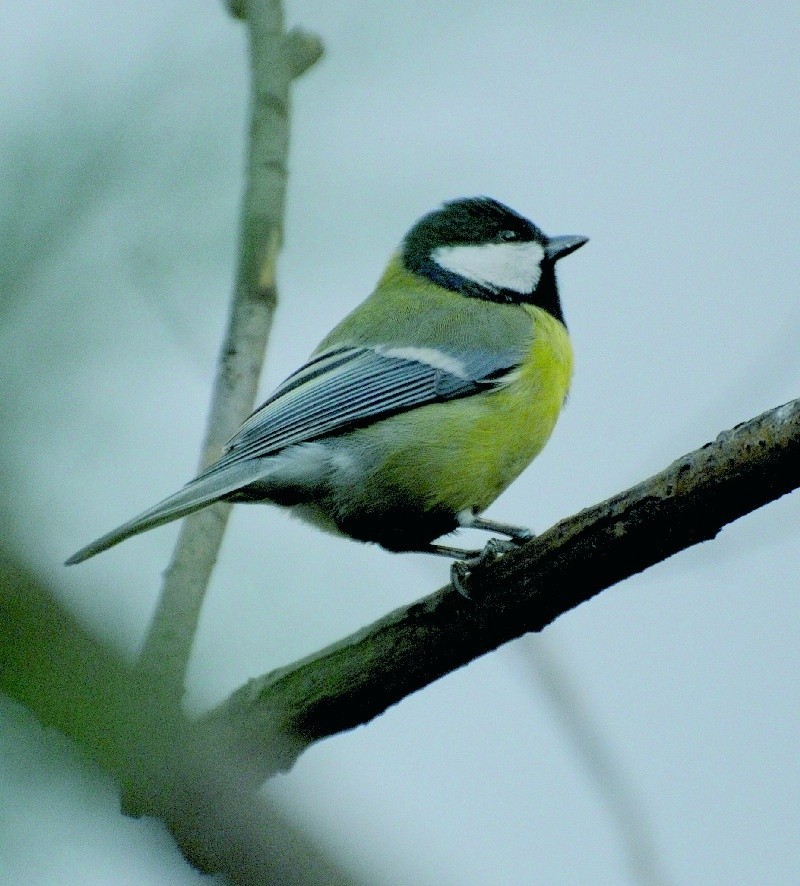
(668,134)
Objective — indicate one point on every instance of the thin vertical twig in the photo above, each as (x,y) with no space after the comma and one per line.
(276,59)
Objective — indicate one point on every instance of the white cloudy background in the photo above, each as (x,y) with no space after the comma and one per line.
(668,134)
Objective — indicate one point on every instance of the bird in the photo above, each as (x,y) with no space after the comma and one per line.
(421,406)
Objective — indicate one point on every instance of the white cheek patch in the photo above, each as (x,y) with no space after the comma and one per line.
(496,266)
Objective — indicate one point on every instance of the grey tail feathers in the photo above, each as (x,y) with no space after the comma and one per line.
(197,494)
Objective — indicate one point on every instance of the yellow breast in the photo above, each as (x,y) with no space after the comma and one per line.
(464,453)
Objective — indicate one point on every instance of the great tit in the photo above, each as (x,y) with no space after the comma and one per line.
(421,406)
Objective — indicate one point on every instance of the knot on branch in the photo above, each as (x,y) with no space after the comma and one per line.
(303,50)
(237,8)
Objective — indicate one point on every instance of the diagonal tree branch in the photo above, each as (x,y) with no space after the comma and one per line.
(276,58)
(356,679)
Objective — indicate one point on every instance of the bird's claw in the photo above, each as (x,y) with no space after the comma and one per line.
(461,570)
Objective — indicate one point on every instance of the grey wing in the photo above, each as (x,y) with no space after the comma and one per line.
(344,388)
(335,391)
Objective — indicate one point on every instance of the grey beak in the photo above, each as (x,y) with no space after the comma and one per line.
(558,247)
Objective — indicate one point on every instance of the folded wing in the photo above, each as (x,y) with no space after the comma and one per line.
(344,388)
(336,391)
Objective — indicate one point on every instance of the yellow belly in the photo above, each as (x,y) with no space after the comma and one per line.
(466,452)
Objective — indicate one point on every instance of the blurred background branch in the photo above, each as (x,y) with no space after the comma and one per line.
(548,669)
(194,781)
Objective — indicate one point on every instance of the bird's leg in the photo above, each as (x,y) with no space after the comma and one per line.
(517,534)
(452,553)
(460,570)
(466,561)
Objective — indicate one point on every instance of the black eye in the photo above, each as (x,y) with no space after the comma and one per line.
(507,235)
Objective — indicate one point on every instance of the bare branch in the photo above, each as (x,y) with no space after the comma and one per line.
(276,59)
(356,679)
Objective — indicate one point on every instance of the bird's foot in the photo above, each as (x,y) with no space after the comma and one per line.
(461,570)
